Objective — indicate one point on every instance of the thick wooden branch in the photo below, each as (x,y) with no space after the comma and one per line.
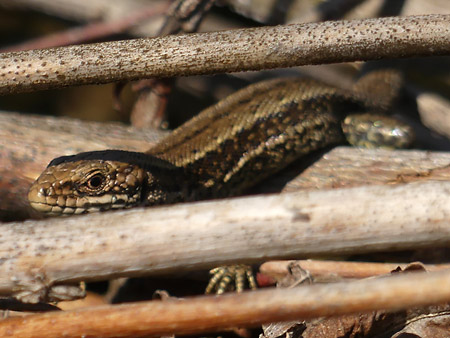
(37,254)
(351,167)
(207,314)
(226,51)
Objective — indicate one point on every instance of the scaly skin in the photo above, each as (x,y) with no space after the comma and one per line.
(226,149)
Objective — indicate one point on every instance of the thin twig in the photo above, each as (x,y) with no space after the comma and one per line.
(91,31)
(324,268)
(211,313)
(227,51)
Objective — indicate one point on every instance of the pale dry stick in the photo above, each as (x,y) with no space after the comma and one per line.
(37,254)
(226,51)
(324,268)
(345,167)
(434,112)
(212,313)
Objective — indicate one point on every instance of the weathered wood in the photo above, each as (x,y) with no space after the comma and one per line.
(321,270)
(37,254)
(226,51)
(207,314)
(350,167)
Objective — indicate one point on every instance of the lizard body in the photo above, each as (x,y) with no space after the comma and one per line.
(226,149)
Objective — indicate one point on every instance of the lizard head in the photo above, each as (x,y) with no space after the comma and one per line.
(104,180)
(79,184)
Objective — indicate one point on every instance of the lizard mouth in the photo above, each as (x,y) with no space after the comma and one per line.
(67,205)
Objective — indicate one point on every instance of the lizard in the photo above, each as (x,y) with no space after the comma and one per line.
(227,148)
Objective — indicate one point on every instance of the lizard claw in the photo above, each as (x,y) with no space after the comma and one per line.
(223,277)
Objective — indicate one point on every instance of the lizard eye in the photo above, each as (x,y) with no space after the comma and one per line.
(95,181)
